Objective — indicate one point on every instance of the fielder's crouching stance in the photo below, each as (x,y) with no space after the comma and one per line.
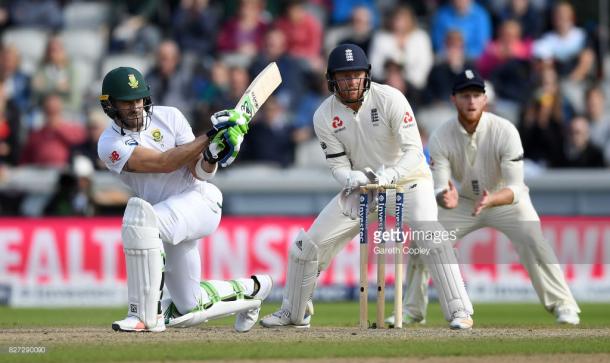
(483,153)
(158,156)
(367,125)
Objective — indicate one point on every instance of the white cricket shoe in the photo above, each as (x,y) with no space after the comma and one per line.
(246,320)
(281,319)
(406,320)
(133,324)
(567,315)
(461,321)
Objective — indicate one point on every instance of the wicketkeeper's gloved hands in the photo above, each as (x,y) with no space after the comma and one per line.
(224,119)
(355,179)
(350,203)
(225,145)
(386,176)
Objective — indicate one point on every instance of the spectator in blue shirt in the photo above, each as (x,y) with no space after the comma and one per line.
(469,18)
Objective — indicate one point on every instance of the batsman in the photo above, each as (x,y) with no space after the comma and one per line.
(365,125)
(168,168)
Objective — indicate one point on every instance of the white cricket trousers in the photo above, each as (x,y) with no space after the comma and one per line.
(521,224)
(182,220)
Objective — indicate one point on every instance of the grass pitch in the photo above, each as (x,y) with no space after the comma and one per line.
(502,333)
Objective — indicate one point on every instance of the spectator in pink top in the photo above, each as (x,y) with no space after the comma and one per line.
(508,46)
(303,33)
(244,33)
(50,145)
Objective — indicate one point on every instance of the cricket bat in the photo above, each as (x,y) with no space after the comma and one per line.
(259,90)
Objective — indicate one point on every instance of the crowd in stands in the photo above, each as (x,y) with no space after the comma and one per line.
(543,66)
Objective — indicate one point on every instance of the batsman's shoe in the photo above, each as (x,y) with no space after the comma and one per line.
(133,324)
(246,320)
(406,320)
(567,315)
(461,321)
(281,319)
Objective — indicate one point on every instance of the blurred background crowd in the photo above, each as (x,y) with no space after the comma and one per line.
(543,61)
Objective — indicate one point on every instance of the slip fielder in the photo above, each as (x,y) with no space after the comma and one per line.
(366,125)
(483,153)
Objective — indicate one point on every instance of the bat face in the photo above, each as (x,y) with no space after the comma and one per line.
(259,90)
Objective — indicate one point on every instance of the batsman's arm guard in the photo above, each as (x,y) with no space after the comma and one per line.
(144,261)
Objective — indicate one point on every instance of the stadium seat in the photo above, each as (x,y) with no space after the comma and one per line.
(84,44)
(86,15)
(31,44)
(136,61)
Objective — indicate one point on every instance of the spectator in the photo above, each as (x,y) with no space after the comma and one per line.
(393,76)
(316,92)
(466,16)
(293,74)
(36,13)
(195,25)
(97,121)
(508,46)
(239,79)
(170,83)
(270,137)
(600,121)
(405,44)
(341,10)
(73,194)
(506,63)
(451,63)
(56,75)
(50,146)
(244,33)
(360,28)
(303,33)
(134,29)
(566,44)
(212,94)
(578,150)
(529,17)
(541,128)
(16,84)
(10,129)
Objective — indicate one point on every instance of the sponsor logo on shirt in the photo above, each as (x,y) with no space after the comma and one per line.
(337,122)
(323,145)
(131,142)
(114,156)
(408,118)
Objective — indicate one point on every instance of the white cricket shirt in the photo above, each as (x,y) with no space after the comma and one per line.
(489,159)
(168,128)
(382,132)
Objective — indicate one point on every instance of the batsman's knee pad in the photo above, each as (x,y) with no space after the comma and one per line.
(302,275)
(144,261)
(442,262)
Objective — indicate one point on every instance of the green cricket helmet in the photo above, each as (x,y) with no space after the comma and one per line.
(125,84)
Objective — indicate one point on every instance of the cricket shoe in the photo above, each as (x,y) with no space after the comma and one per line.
(461,321)
(567,315)
(246,320)
(133,324)
(406,320)
(281,319)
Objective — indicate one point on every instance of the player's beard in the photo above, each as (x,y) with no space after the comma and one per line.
(470,117)
(348,93)
(133,120)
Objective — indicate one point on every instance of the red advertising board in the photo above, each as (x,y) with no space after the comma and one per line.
(80,260)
